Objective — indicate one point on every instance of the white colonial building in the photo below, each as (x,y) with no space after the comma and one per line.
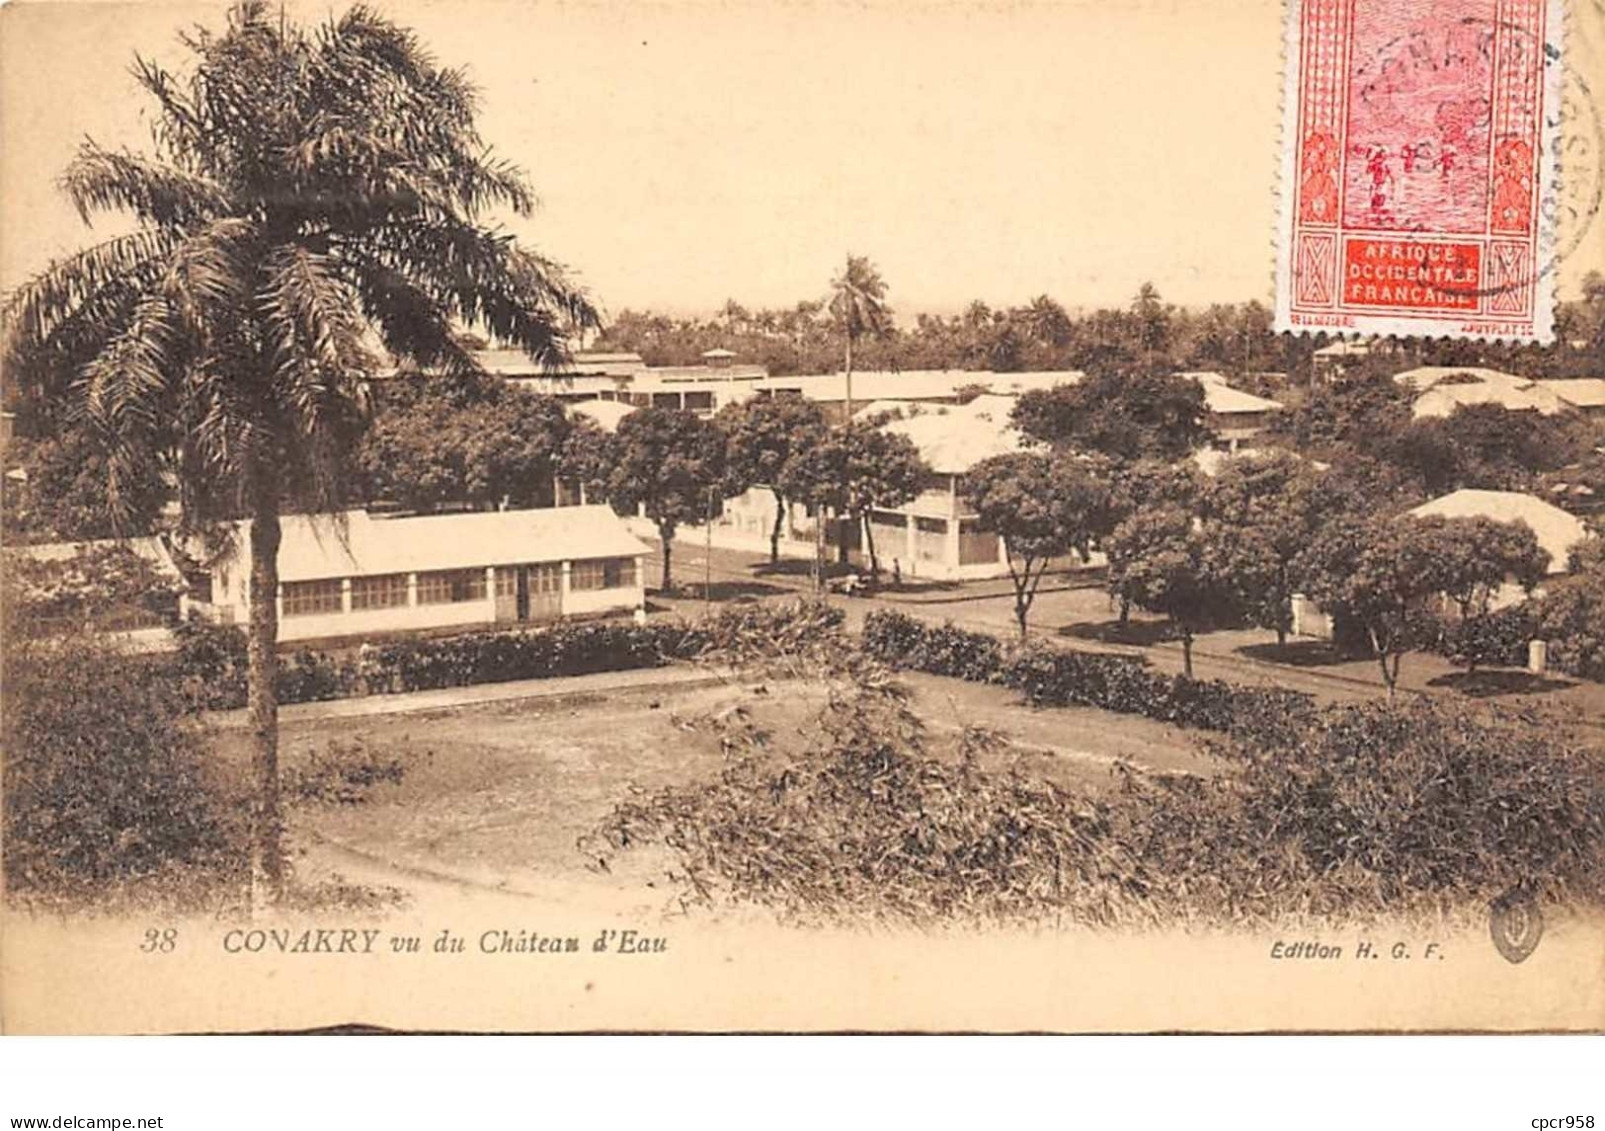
(369,575)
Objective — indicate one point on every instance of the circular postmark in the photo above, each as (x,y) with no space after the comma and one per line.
(1516,925)
(1570,175)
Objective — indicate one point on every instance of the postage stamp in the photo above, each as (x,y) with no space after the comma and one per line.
(1420,163)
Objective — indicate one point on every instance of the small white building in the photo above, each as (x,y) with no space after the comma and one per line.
(935,536)
(1584,393)
(1443,388)
(1234,416)
(1557,531)
(359,574)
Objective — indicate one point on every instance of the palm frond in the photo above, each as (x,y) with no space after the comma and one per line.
(482,278)
(37,309)
(99,180)
(320,366)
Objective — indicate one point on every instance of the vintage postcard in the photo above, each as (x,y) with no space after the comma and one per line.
(682,517)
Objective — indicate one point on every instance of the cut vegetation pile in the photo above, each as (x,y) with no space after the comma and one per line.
(1360,813)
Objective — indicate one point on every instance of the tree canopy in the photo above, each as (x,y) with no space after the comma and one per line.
(1128,414)
(671,464)
(439,443)
(1042,507)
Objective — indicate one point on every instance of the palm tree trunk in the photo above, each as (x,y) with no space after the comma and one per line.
(847,422)
(262,668)
(869,541)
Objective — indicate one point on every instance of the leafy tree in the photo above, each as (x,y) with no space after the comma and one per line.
(762,436)
(1360,412)
(1128,414)
(1041,507)
(1383,575)
(484,446)
(671,464)
(1163,560)
(852,471)
(1488,446)
(95,584)
(311,190)
(858,309)
(63,497)
(1267,508)
(1478,556)
(882,471)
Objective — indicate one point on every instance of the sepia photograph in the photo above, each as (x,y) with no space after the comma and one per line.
(685,517)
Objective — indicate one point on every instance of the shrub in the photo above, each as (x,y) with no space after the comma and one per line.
(104,777)
(494,657)
(1418,811)
(1571,616)
(1376,809)
(863,824)
(1493,639)
(341,774)
(1051,677)
(210,663)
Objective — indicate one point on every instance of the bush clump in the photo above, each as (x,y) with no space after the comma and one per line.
(342,773)
(105,778)
(1493,639)
(864,824)
(1374,810)
(1416,811)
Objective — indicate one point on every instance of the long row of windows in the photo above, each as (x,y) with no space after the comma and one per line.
(452,586)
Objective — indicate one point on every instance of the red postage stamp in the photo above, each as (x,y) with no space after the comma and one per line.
(1418,155)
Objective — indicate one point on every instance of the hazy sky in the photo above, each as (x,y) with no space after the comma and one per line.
(688,153)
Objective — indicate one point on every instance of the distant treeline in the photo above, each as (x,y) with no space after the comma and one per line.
(1232,338)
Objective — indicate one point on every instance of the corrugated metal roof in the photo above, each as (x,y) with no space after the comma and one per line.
(358,544)
(1556,530)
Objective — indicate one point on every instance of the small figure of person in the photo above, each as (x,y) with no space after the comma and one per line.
(897,574)
(640,616)
(1446,162)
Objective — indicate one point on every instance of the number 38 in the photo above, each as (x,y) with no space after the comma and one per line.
(159,941)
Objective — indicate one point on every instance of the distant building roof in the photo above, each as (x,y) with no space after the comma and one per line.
(517,363)
(1556,530)
(1424,377)
(1344,348)
(1220,398)
(363,544)
(1584,392)
(917,384)
(149,547)
(954,438)
(605,413)
(718,353)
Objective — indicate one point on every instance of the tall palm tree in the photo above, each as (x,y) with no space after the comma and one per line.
(858,307)
(313,192)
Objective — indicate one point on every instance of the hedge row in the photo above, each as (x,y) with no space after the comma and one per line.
(211,659)
(1050,677)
